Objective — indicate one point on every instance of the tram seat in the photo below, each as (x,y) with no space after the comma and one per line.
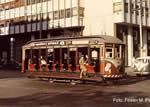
(46,67)
(32,67)
(90,68)
(69,67)
(77,68)
(61,67)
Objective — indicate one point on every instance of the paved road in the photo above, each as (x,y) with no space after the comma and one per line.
(16,90)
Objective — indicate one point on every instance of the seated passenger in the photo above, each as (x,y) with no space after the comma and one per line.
(43,62)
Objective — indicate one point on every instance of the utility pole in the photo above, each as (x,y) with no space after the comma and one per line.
(41,27)
(141,27)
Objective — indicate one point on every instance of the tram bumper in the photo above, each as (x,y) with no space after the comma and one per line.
(115,76)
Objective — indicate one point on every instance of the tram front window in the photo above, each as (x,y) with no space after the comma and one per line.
(117,51)
(109,52)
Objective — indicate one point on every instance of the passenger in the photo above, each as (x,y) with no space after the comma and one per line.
(82,67)
(50,61)
(43,63)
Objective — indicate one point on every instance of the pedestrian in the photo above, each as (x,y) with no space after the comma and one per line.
(82,67)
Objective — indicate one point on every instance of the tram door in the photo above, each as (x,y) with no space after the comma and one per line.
(95,55)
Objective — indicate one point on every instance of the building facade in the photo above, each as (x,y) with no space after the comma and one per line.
(24,20)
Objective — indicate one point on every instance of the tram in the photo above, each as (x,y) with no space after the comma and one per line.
(58,58)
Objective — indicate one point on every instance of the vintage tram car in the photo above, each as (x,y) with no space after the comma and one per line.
(58,58)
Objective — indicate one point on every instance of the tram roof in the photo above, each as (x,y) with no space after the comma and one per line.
(101,38)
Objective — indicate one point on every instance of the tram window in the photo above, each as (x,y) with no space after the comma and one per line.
(27,61)
(72,59)
(43,56)
(117,51)
(64,57)
(109,52)
(83,51)
(50,58)
(57,57)
(35,58)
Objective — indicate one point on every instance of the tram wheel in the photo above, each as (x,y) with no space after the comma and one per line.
(108,82)
(138,75)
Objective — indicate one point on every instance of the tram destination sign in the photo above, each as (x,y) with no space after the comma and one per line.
(51,43)
(67,42)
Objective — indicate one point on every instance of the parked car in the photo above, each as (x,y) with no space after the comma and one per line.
(142,65)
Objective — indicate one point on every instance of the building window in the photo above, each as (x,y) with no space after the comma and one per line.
(74,11)
(81,11)
(56,14)
(137,10)
(132,8)
(117,7)
(126,7)
(62,13)
(68,13)
(146,11)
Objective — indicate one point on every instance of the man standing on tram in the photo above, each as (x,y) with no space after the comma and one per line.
(83,68)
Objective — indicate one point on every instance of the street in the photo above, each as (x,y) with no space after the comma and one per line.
(19,91)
